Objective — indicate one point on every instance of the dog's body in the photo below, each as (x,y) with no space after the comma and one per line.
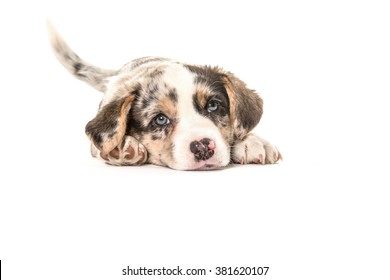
(155,110)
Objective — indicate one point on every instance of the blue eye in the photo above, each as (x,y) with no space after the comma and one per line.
(212,106)
(161,120)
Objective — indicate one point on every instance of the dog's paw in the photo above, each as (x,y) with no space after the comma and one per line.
(129,152)
(254,149)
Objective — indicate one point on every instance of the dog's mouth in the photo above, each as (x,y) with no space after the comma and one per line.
(207,167)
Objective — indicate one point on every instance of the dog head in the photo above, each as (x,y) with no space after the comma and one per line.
(186,116)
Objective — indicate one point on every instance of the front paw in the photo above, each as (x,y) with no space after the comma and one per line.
(129,152)
(254,149)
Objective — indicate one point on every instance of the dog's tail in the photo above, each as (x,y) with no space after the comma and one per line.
(92,75)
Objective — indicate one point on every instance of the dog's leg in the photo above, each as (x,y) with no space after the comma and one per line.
(129,152)
(253,149)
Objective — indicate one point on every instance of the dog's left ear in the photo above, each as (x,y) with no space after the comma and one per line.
(246,107)
(108,128)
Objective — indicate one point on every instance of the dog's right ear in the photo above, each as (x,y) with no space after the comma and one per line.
(246,105)
(108,128)
(92,75)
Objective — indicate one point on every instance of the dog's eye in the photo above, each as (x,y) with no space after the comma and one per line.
(161,119)
(212,106)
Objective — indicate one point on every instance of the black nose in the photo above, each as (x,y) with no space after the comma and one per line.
(203,149)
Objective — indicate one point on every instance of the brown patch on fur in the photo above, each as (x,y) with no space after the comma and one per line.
(202,95)
(121,129)
(232,100)
(167,107)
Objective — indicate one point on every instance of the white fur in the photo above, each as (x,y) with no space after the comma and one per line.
(254,149)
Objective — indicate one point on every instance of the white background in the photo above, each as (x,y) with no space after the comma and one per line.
(322,68)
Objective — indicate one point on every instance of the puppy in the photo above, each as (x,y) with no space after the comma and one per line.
(163,112)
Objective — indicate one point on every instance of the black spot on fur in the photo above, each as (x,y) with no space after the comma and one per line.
(149,95)
(153,89)
(146,103)
(173,95)
(133,125)
(77,67)
(156,73)
(156,137)
(97,139)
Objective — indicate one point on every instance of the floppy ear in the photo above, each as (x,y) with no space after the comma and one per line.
(108,128)
(246,107)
